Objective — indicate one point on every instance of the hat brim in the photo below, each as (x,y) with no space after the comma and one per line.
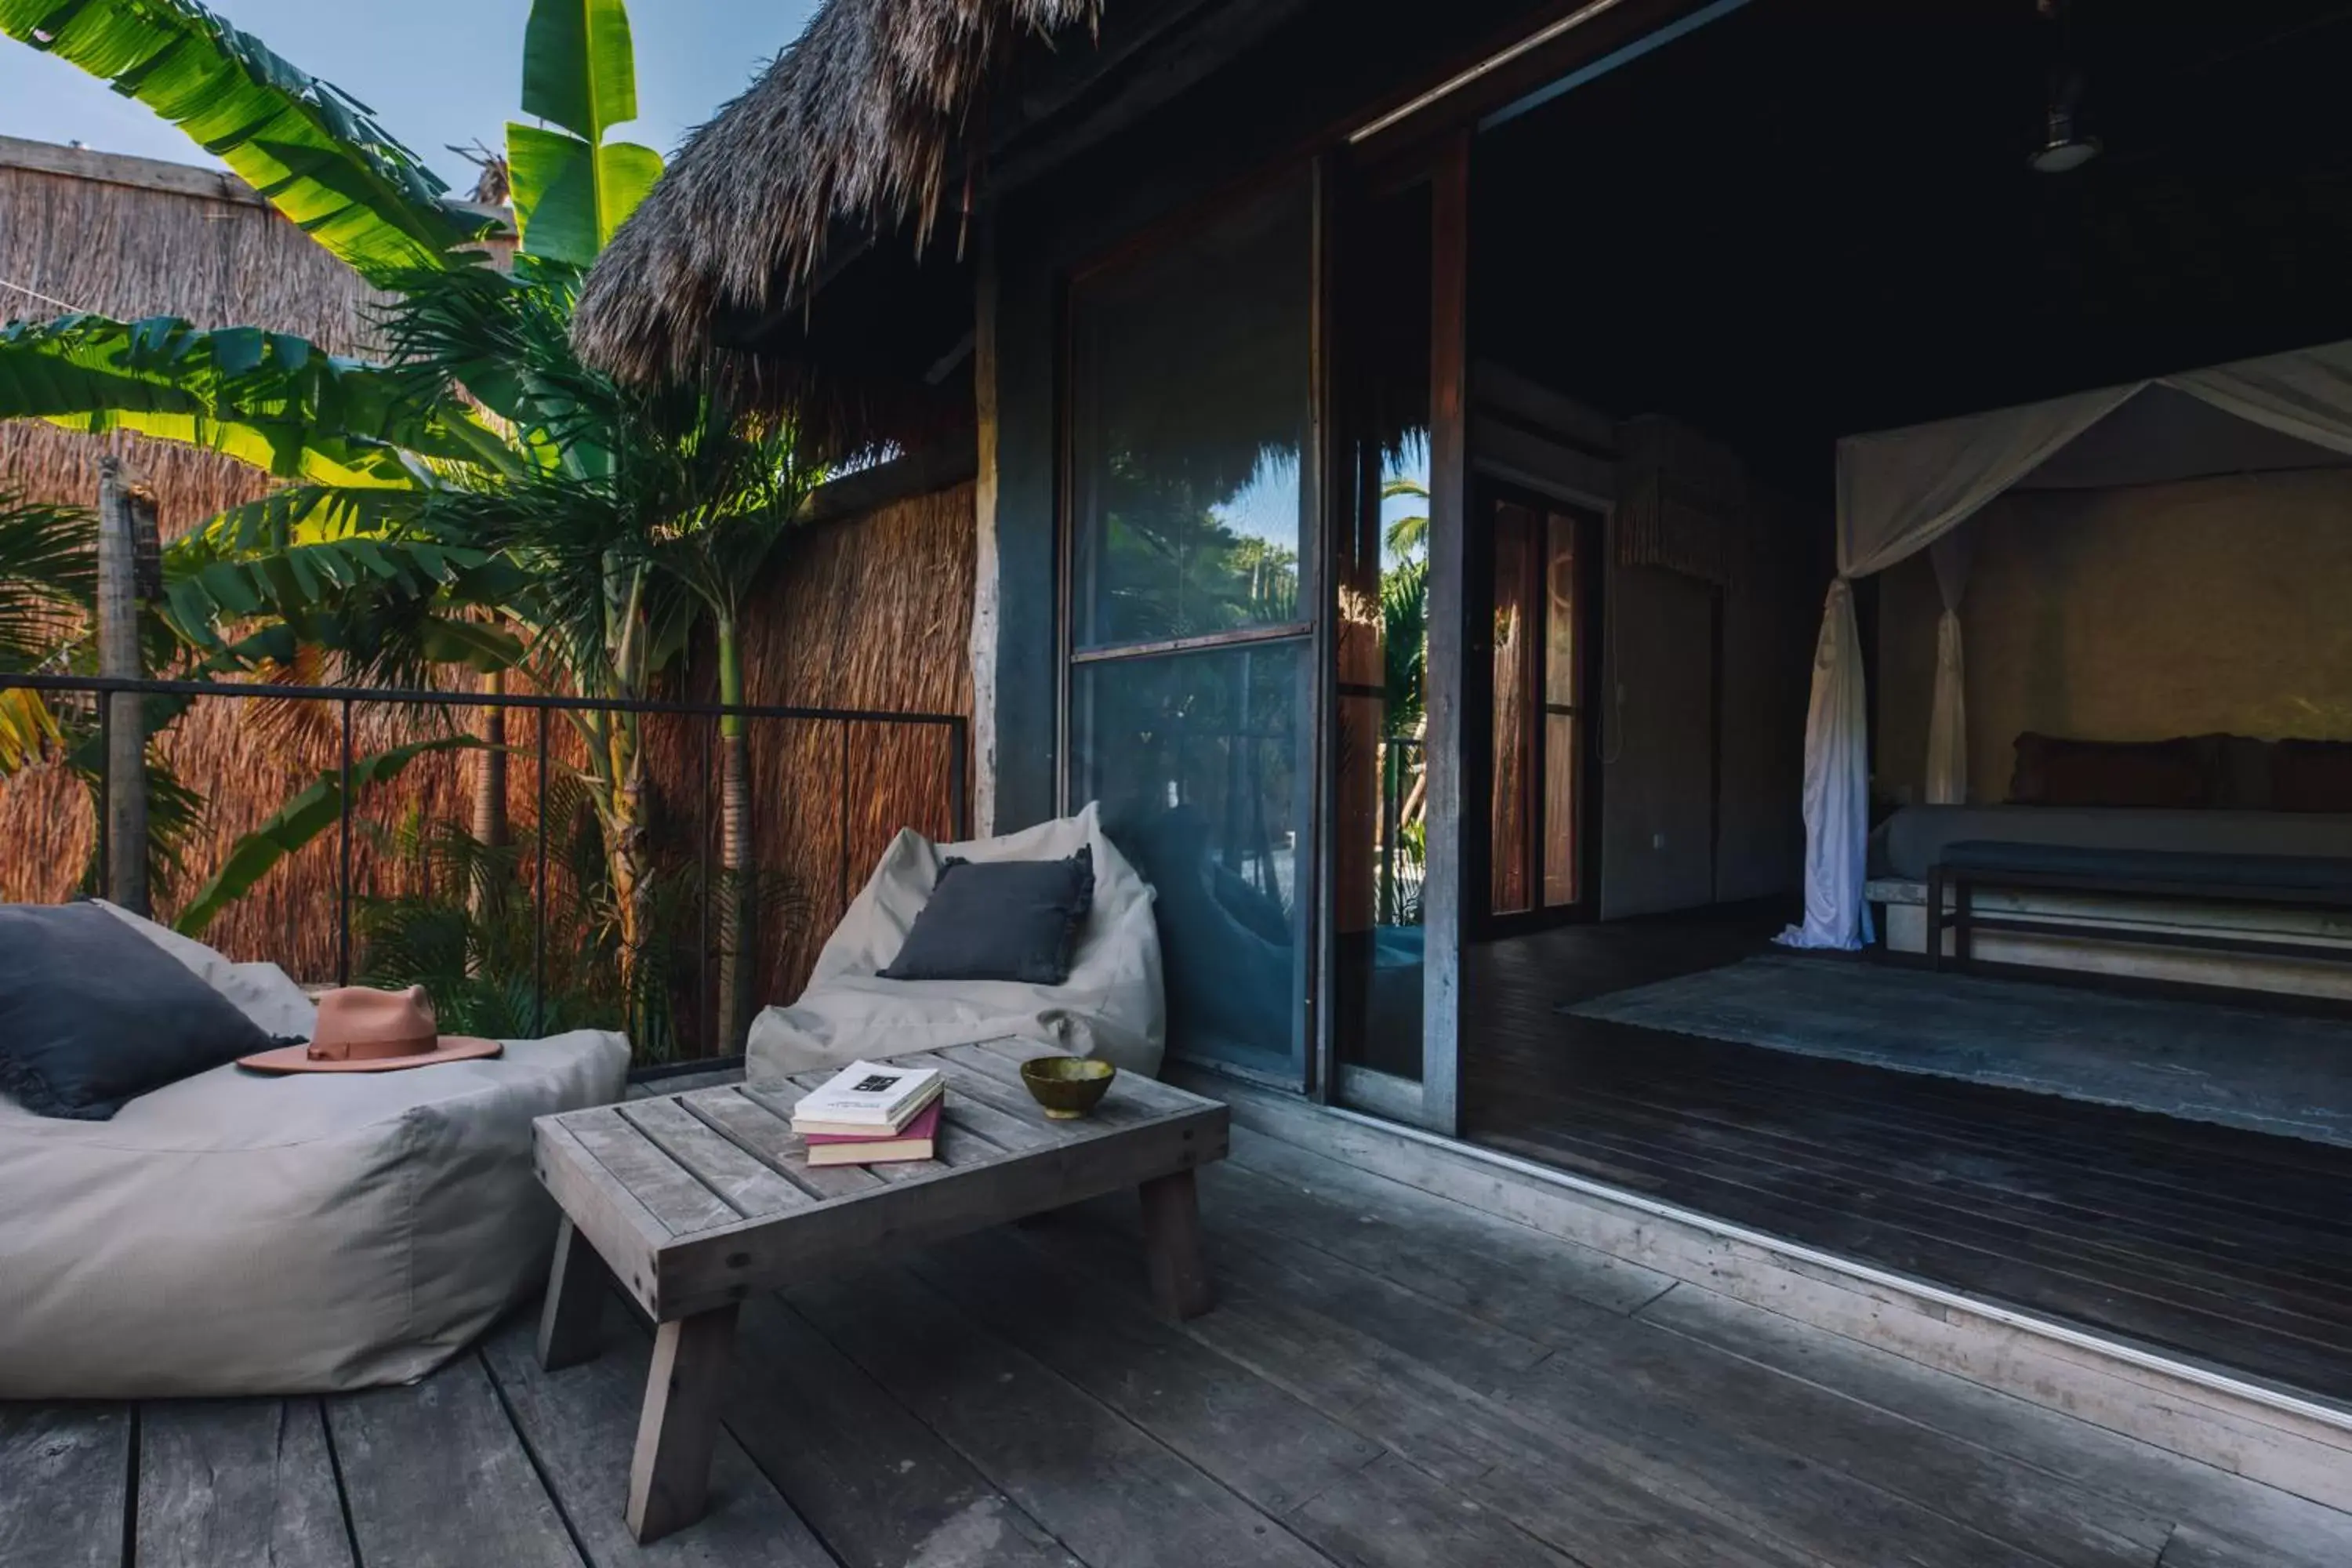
(297,1059)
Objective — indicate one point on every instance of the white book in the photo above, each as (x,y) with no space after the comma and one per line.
(866,1097)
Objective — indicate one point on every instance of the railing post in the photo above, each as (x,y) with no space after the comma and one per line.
(105,810)
(343,884)
(844,816)
(706,1006)
(959,789)
(539,895)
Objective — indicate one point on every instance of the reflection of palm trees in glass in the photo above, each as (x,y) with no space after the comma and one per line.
(1404,648)
(1176,562)
(1406,535)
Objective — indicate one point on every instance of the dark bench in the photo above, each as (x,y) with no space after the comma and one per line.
(2305,881)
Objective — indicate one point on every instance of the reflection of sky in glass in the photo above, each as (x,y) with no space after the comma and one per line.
(1267,507)
(1412,463)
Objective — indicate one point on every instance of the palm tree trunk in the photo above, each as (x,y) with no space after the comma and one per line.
(735,868)
(625,850)
(490,827)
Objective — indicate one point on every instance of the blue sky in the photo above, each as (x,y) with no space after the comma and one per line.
(435,71)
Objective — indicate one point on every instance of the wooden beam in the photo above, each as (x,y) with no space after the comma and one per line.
(1189,56)
(118,169)
(935,468)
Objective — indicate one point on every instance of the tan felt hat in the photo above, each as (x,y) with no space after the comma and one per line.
(361,1029)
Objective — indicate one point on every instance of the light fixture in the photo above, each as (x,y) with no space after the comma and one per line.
(2064,146)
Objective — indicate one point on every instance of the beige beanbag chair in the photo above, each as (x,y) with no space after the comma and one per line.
(1111,1005)
(239,1234)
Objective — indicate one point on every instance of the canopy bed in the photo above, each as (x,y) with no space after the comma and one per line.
(1905,491)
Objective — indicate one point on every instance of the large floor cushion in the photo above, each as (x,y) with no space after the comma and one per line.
(1111,1006)
(240,1234)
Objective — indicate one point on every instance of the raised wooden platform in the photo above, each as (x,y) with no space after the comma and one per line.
(1392,1378)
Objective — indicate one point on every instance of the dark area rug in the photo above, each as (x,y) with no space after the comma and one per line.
(2287,1075)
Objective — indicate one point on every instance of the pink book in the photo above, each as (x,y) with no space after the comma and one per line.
(918,1140)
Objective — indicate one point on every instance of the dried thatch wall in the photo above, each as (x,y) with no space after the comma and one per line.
(132,237)
(874,614)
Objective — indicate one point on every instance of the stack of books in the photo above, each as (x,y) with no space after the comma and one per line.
(870,1112)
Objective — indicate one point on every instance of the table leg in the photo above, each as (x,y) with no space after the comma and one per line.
(671,1472)
(571,1322)
(1171,1244)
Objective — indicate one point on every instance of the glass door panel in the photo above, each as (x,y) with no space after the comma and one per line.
(1201,765)
(1192,610)
(1380,563)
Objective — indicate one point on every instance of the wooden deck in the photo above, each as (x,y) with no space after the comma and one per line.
(1389,1378)
(2225,1246)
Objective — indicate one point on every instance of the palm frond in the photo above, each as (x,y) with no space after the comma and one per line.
(49,570)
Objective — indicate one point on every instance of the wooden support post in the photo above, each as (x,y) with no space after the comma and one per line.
(1172,1245)
(124,876)
(986,567)
(670,1476)
(571,1319)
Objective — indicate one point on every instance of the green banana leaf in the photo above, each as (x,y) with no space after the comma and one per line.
(569,196)
(571,188)
(312,150)
(335,591)
(579,66)
(296,824)
(270,399)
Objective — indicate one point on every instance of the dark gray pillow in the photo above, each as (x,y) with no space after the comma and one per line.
(999,920)
(92,1014)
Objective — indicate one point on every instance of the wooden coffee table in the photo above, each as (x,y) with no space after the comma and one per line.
(694,1201)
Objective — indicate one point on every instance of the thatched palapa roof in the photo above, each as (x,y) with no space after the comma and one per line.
(859,127)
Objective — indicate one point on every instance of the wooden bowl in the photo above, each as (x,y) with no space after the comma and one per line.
(1067,1086)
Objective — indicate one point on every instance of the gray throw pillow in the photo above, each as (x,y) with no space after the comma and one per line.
(92,1014)
(999,920)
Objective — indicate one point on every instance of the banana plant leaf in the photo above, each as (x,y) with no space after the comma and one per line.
(270,399)
(312,150)
(571,188)
(336,591)
(570,196)
(579,66)
(297,823)
(27,729)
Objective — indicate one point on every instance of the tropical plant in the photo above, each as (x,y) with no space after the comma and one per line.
(475,498)
(1406,534)
(480,956)
(47,576)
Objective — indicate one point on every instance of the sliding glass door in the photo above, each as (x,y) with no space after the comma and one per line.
(1190,623)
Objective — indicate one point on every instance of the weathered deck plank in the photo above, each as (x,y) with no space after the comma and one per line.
(1111,1492)
(1273,1321)
(435,1476)
(65,1472)
(1389,1378)
(579,1425)
(1267,1445)
(880,1487)
(237,1482)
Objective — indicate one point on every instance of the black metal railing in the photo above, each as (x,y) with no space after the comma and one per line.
(1400,852)
(922,808)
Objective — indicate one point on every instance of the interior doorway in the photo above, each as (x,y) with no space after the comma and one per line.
(1541,613)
